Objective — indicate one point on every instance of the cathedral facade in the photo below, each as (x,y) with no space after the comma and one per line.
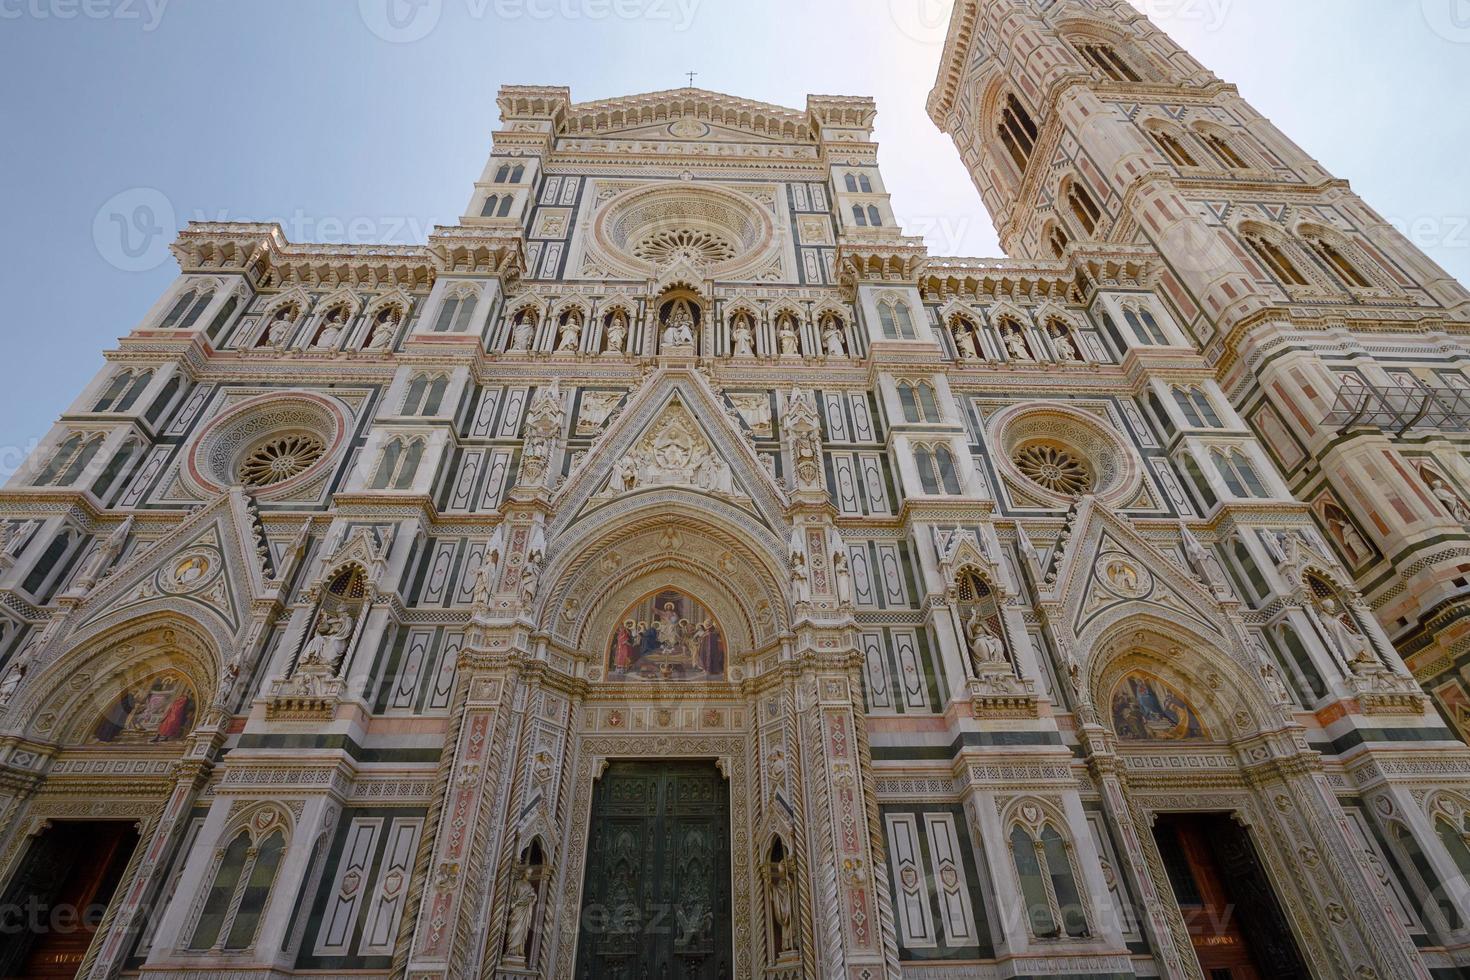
(672,570)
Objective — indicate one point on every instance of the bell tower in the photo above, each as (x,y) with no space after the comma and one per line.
(1080,121)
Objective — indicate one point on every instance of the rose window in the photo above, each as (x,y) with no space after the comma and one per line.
(1055,468)
(280,458)
(699,247)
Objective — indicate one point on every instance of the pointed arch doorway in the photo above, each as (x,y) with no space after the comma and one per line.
(656,901)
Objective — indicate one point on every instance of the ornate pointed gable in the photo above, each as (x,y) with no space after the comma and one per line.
(211,567)
(1105,564)
(687,114)
(677,432)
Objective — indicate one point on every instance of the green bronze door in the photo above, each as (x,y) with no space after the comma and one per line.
(656,900)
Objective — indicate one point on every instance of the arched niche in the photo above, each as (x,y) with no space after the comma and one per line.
(672,539)
(1225,700)
(165,665)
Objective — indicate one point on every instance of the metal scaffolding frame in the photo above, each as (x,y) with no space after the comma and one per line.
(1400,408)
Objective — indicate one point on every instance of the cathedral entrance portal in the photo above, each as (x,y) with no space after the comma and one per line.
(656,901)
(58,896)
(1234,918)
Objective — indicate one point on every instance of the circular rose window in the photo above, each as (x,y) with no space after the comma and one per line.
(699,247)
(1054,467)
(1056,453)
(720,231)
(275,444)
(280,458)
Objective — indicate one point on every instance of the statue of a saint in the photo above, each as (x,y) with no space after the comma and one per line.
(842,571)
(781,906)
(964,342)
(617,332)
(1062,341)
(1345,636)
(329,645)
(484,586)
(279,331)
(523,334)
(743,336)
(522,915)
(382,335)
(19,667)
(1016,344)
(986,649)
(571,335)
(786,335)
(832,338)
(331,331)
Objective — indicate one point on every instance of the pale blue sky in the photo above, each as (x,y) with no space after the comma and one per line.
(302,111)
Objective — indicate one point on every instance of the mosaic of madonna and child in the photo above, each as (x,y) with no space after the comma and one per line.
(667,636)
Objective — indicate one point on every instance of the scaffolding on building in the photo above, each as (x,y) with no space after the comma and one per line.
(1400,408)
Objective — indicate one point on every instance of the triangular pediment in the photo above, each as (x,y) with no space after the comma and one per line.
(1105,565)
(676,433)
(212,561)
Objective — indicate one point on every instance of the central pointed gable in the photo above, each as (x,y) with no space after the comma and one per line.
(211,564)
(1105,565)
(688,113)
(677,432)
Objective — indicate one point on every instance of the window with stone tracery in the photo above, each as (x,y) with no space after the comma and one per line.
(1222,147)
(918,402)
(937,471)
(123,391)
(398,465)
(1173,148)
(1196,407)
(454,315)
(1239,474)
(1334,258)
(895,320)
(188,309)
(497,206)
(1018,133)
(1145,326)
(1046,866)
(425,395)
(1275,259)
(1107,60)
(1084,209)
(70,461)
(240,883)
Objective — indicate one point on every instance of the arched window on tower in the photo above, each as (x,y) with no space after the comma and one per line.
(1276,260)
(1084,209)
(1107,60)
(518,174)
(1017,132)
(875,217)
(1196,408)
(1174,149)
(1057,241)
(852,184)
(497,206)
(244,871)
(860,216)
(1223,149)
(70,461)
(503,174)
(865,183)
(1338,262)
